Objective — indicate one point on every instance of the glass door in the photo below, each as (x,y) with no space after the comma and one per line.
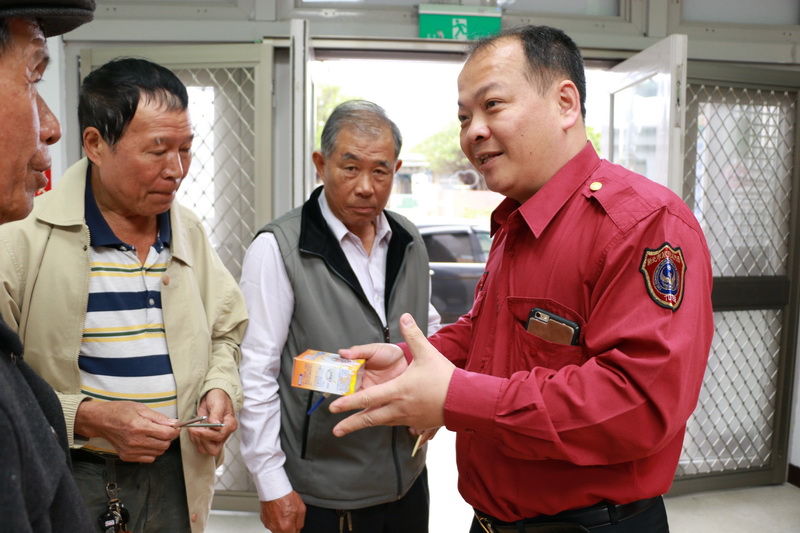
(647,103)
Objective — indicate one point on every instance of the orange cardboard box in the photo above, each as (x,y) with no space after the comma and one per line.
(327,372)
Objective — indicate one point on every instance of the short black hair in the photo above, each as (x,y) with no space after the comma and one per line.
(111,94)
(549,52)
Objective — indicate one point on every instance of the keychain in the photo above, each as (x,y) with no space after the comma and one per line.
(115,518)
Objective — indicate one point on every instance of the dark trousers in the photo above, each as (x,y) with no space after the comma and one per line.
(651,520)
(409,514)
(154,493)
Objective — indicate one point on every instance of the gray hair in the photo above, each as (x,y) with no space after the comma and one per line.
(5,31)
(5,34)
(364,116)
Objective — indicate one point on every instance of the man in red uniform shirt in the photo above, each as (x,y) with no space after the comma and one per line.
(570,381)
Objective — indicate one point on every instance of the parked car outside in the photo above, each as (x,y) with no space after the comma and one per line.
(457,253)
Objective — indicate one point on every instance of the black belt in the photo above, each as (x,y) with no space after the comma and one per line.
(602,514)
(85,456)
(81,454)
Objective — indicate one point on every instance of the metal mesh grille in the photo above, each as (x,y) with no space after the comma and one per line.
(220,189)
(739,167)
(738,175)
(732,426)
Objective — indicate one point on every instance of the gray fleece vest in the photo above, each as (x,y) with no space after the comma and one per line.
(370,466)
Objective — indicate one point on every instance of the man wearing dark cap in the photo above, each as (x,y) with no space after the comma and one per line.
(37,492)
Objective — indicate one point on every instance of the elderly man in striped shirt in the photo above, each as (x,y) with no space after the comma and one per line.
(126,309)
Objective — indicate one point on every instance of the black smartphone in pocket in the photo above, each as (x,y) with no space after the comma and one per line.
(552,327)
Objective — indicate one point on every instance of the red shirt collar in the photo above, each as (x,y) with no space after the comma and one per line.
(540,208)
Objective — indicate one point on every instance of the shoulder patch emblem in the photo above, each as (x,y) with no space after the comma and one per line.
(664,271)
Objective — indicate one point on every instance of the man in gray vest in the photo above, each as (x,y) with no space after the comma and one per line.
(335,272)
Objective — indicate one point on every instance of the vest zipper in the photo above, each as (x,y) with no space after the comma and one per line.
(397,468)
(306,425)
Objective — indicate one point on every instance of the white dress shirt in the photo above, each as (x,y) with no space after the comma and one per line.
(270,302)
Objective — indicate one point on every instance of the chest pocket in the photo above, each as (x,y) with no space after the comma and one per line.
(528,350)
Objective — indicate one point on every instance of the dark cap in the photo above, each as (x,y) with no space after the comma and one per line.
(55,16)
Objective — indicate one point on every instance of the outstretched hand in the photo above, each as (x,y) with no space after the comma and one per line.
(384,362)
(413,398)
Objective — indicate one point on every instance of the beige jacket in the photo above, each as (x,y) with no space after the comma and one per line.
(44,271)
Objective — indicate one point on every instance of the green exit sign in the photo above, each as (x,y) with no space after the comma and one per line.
(462,23)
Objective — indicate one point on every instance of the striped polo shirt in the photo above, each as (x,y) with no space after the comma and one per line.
(124,352)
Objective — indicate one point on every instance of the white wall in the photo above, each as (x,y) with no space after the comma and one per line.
(53,90)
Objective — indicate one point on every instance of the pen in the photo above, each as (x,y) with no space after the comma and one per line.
(317,404)
(416,446)
(190,421)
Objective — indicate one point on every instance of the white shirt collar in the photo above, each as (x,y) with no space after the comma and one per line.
(382,230)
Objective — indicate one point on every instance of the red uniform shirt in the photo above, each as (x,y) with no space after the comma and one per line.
(545,427)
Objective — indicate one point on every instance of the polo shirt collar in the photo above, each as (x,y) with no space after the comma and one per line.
(542,207)
(382,230)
